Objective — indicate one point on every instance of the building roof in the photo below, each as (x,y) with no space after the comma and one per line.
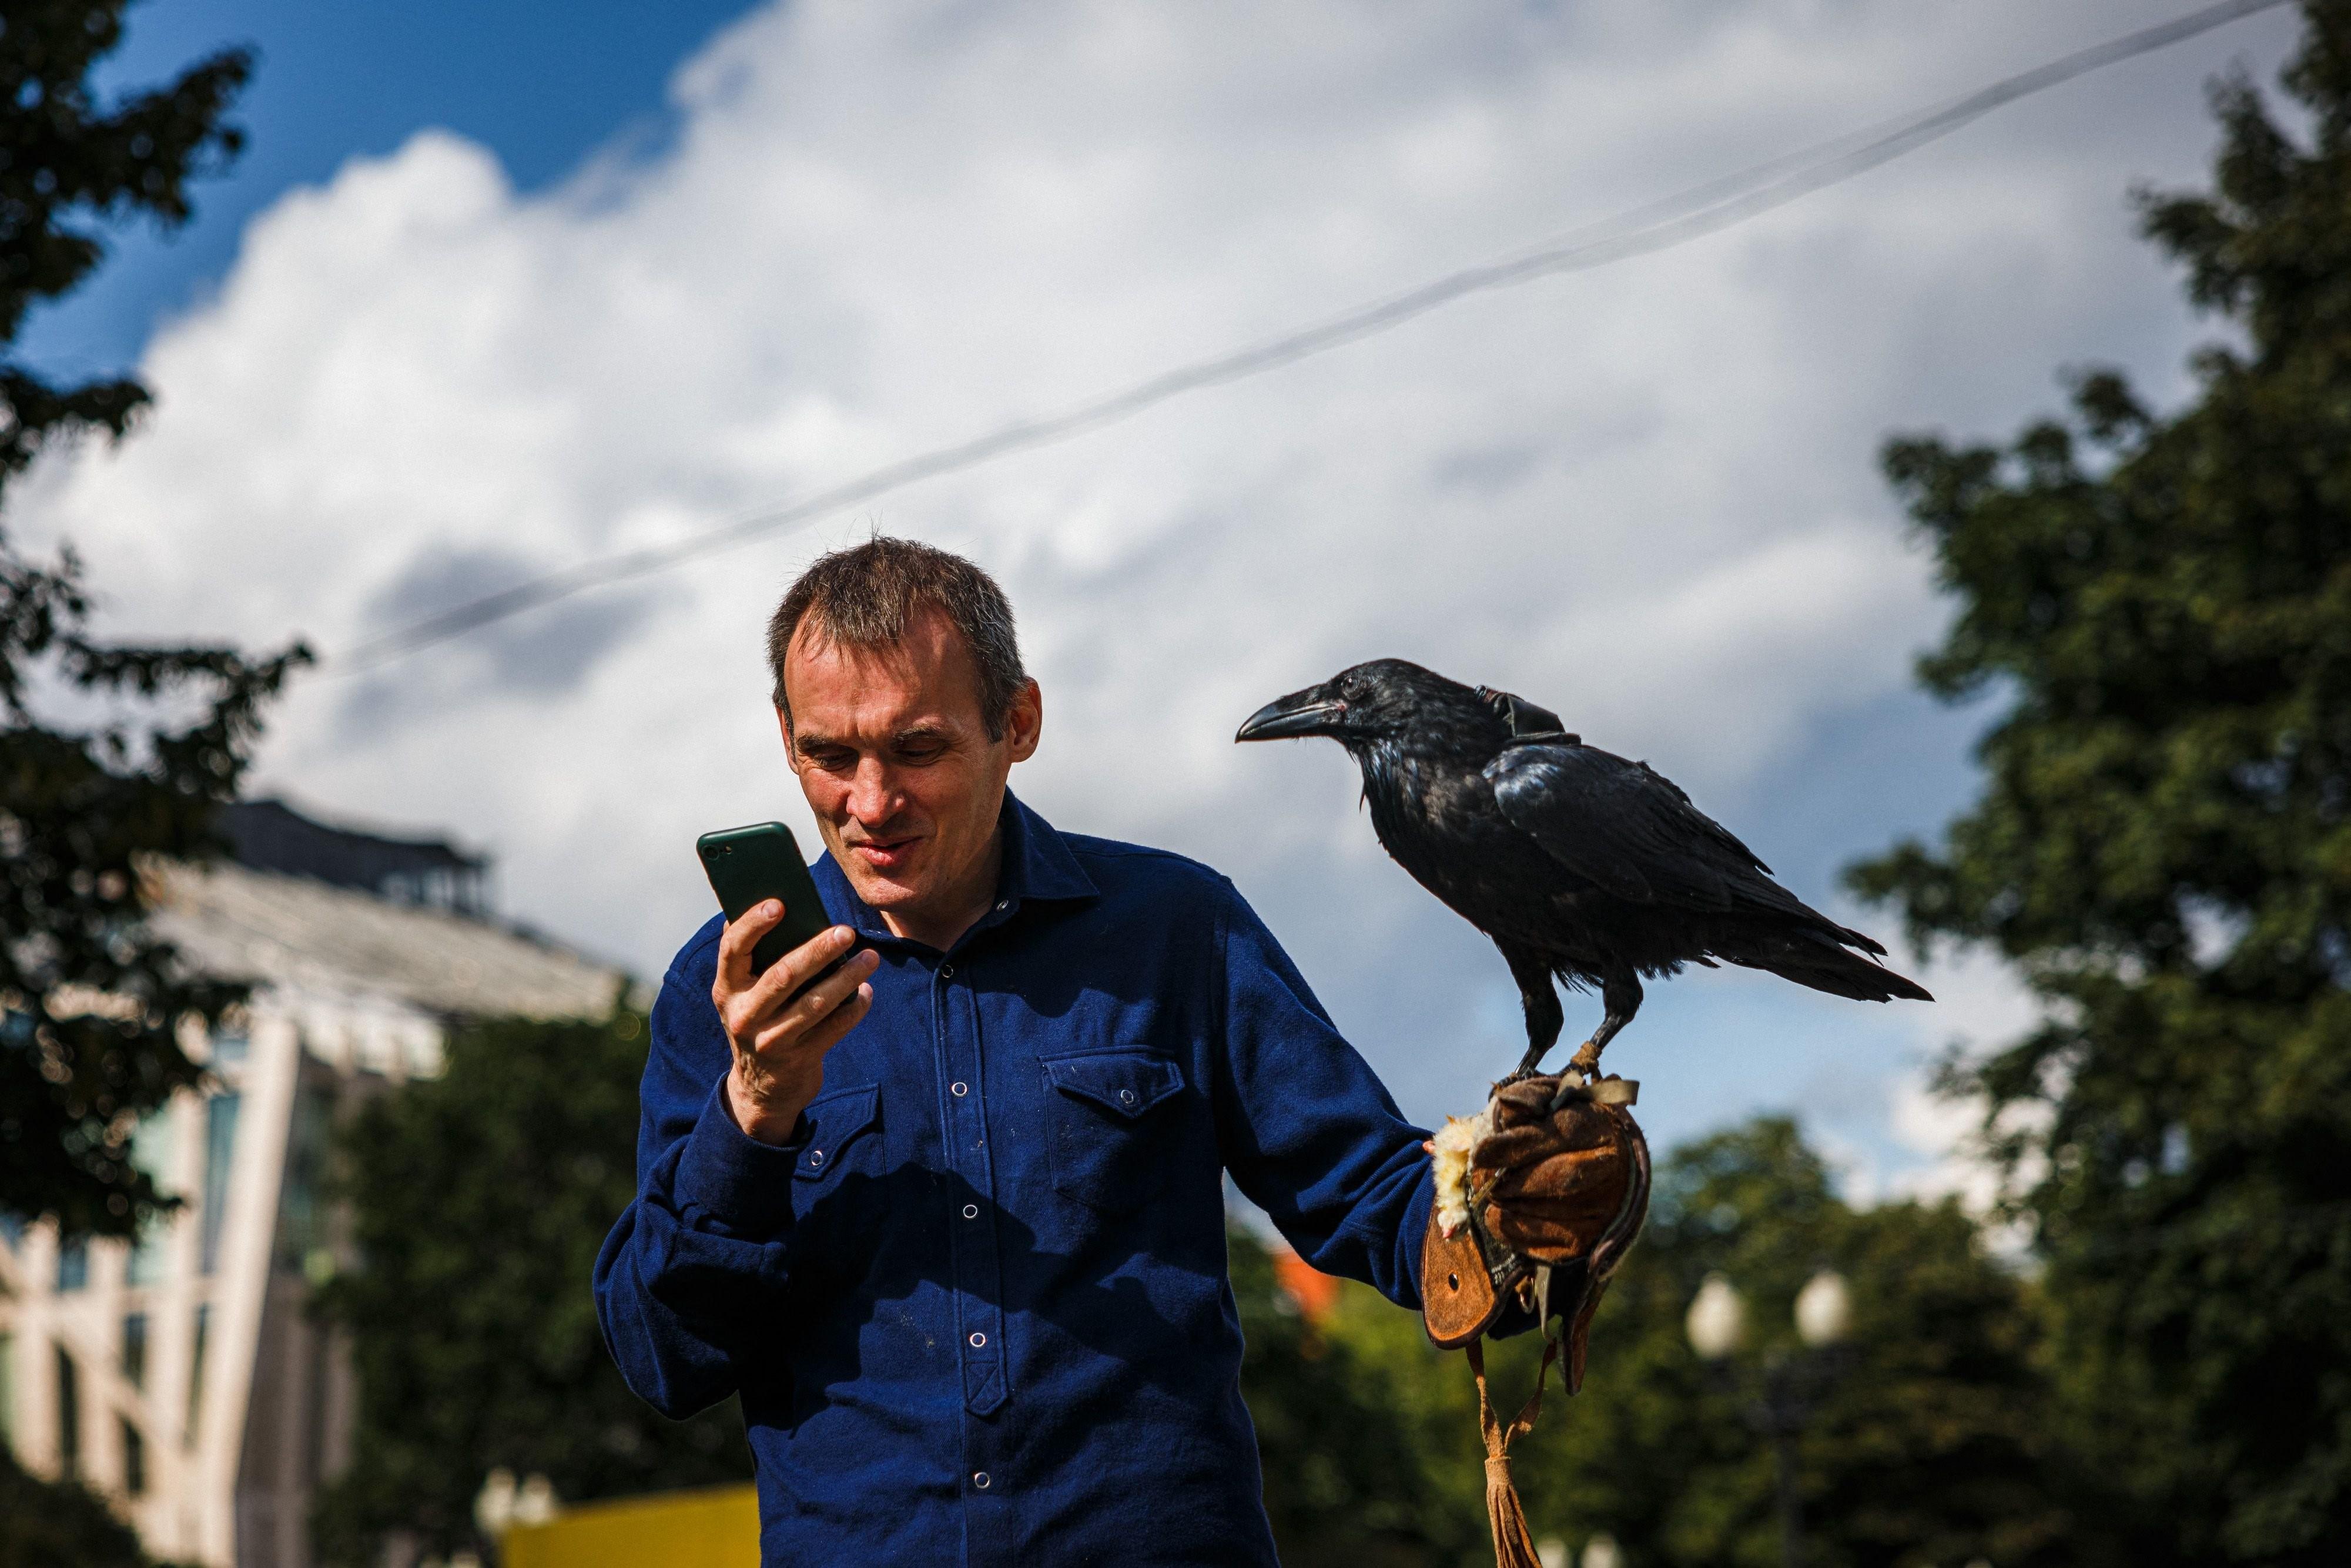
(271,928)
(270,835)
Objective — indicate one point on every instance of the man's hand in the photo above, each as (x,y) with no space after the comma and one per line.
(780,1031)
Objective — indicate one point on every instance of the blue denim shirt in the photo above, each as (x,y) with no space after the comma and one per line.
(977,1308)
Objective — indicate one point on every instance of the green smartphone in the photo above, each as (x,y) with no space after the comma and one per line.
(747,865)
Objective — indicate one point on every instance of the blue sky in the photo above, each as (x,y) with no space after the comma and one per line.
(489,294)
(541,87)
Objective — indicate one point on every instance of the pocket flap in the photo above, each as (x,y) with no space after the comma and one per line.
(1126,1082)
(833,1119)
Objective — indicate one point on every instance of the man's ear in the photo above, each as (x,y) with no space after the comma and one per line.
(1025,724)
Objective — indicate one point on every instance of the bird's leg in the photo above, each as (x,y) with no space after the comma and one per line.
(1545,1016)
(1620,998)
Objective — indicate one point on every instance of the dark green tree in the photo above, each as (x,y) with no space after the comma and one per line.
(59,1524)
(477,1201)
(90,1005)
(1926,1447)
(1342,1428)
(2162,848)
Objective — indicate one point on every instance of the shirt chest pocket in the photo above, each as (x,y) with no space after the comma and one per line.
(1112,1125)
(843,1147)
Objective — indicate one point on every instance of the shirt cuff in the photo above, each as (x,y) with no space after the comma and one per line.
(722,1171)
(1415,1230)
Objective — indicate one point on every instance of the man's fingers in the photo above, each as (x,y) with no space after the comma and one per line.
(736,941)
(827,1033)
(787,974)
(817,1003)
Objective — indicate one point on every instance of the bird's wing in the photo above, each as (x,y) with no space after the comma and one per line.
(1628,827)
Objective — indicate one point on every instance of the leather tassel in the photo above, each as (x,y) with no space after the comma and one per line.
(1514,1546)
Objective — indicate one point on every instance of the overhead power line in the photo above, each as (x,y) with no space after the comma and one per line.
(1676,220)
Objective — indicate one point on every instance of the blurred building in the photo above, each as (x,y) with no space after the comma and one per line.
(181,1377)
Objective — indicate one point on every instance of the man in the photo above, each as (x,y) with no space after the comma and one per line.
(951,1218)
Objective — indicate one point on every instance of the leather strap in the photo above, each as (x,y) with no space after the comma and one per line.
(1527,721)
(1514,1545)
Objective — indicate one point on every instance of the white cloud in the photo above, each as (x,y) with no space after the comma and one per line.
(1643,496)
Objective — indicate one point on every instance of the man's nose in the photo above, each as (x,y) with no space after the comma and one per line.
(873,793)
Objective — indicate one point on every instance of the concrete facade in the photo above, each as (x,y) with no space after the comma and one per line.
(181,1378)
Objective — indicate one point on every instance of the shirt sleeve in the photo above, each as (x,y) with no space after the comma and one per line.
(706,1246)
(1308,1131)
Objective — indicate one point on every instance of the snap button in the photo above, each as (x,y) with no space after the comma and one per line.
(1003,903)
(946,971)
(979,1479)
(971,1211)
(959,1090)
(815,1156)
(977,1340)
(1126,1096)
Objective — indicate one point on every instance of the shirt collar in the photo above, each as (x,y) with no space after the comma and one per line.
(1037,865)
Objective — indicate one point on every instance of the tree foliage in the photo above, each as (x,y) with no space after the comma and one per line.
(59,1524)
(93,1003)
(477,1202)
(2162,847)
(1360,1472)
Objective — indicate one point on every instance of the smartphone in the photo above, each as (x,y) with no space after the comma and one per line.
(747,865)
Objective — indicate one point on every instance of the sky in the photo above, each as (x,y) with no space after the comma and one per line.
(488,296)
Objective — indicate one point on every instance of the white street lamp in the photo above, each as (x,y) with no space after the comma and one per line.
(535,1501)
(494,1506)
(1824,1310)
(1717,1324)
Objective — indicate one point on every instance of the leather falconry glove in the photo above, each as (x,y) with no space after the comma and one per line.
(1538,1197)
(1552,1188)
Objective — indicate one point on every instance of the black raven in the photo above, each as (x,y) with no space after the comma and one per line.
(1577,862)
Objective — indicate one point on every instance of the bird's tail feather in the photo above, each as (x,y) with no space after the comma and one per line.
(1825,967)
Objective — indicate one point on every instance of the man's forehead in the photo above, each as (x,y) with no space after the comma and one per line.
(836,688)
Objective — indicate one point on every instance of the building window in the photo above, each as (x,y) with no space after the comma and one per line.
(134,1458)
(301,1218)
(220,1144)
(73,1266)
(134,1350)
(196,1368)
(150,1254)
(151,1152)
(69,1415)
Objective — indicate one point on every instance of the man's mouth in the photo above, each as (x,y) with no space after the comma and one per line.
(885,855)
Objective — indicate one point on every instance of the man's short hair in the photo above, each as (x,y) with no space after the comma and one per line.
(868,595)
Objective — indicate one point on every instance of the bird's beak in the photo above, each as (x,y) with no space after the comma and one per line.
(1309,712)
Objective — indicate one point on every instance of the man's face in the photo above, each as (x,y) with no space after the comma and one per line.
(895,758)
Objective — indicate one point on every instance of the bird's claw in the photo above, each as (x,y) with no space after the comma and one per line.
(1576,1079)
(1519,1074)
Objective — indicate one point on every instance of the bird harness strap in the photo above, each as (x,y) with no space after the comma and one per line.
(1528,721)
(1539,1198)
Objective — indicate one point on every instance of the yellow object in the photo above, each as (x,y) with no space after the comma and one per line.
(718,1528)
